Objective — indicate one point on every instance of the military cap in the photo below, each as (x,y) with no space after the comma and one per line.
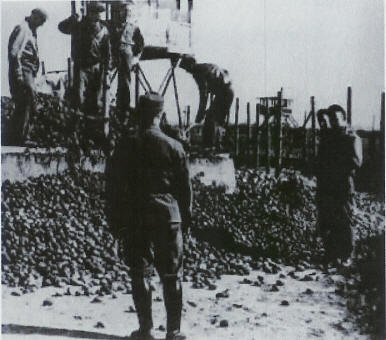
(95,7)
(151,103)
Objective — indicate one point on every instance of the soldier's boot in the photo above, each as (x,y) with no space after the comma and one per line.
(142,301)
(173,303)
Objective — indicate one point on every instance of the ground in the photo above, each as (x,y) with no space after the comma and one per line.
(300,309)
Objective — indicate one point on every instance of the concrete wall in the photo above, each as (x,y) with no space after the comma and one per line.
(18,165)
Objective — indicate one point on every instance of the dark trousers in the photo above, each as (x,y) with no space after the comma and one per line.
(123,89)
(23,95)
(216,114)
(335,229)
(161,245)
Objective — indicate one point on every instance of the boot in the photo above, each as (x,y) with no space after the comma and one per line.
(142,301)
(172,290)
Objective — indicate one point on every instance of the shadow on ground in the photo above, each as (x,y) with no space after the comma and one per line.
(49,331)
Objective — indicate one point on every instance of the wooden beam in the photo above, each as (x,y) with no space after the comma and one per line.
(268,146)
(313,126)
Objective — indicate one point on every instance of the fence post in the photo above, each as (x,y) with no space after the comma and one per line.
(268,164)
(237,128)
(248,132)
(43,68)
(313,122)
(69,73)
(349,113)
(279,132)
(257,135)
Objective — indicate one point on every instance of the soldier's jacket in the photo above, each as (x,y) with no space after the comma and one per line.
(340,155)
(91,41)
(23,54)
(148,176)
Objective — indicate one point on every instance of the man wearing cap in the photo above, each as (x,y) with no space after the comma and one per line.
(91,55)
(214,82)
(149,197)
(127,45)
(339,157)
(23,58)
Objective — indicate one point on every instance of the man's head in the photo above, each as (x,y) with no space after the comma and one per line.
(38,17)
(187,62)
(323,119)
(150,107)
(95,10)
(125,9)
(337,116)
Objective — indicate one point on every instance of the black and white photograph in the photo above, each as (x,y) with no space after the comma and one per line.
(192,169)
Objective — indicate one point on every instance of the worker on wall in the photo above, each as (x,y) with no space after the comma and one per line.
(92,59)
(127,45)
(214,82)
(23,58)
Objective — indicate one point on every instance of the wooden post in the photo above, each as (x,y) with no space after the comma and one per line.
(249,139)
(279,133)
(188,116)
(176,98)
(237,128)
(257,135)
(69,73)
(268,164)
(136,71)
(313,126)
(304,151)
(43,68)
(349,113)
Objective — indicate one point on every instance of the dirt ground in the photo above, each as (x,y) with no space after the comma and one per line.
(305,306)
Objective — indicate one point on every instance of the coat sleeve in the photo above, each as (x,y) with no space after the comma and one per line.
(68,25)
(18,40)
(116,189)
(184,187)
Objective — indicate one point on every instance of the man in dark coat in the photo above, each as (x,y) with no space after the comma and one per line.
(214,82)
(23,57)
(339,157)
(149,205)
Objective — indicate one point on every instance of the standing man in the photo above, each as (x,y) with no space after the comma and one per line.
(214,82)
(23,58)
(148,207)
(92,57)
(339,157)
(127,43)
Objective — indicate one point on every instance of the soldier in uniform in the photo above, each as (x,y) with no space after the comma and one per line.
(92,59)
(339,157)
(212,81)
(127,43)
(23,57)
(149,205)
